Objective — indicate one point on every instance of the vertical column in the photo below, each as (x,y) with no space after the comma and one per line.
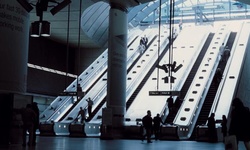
(14,29)
(117,71)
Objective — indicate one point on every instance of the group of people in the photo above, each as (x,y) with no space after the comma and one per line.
(143,44)
(239,126)
(151,125)
(30,119)
(82,112)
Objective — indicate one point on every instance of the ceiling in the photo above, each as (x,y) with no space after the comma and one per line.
(59,23)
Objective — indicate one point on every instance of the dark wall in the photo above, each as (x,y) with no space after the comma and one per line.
(46,83)
(47,53)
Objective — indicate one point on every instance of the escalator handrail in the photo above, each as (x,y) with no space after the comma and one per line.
(227,79)
(191,115)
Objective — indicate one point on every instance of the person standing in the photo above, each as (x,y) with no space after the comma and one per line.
(217,77)
(90,104)
(180,25)
(37,121)
(170,102)
(239,125)
(212,134)
(147,123)
(157,124)
(224,126)
(82,114)
(226,55)
(145,41)
(142,41)
(221,50)
(28,118)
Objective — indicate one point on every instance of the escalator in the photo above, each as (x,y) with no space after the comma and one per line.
(135,93)
(100,105)
(185,87)
(86,81)
(76,103)
(208,102)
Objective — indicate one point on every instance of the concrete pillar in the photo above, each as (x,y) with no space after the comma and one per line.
(14,40)
(14,29)
(113,116)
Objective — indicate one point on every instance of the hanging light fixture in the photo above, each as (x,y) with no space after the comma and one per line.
(40,28)
(35,29)
(45,28)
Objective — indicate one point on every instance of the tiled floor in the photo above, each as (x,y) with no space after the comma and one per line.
(68,143)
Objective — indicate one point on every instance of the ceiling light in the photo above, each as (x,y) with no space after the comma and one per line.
(40,28)
(35,29)
(25,5)
(45,29)
(60,6)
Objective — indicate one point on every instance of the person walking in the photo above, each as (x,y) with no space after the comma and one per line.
(157,124)
(37,121)
(212,134)
(147,123)
(28,118)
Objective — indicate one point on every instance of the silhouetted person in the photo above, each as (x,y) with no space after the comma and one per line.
(147,123)
(224,126)
(37,122)
(82,114)
(28,118)
(180,25)
(157,124)
(221,50)
(90,104)
(145,39)
(79,90)
(225,55)
(239,125)
(142,48)
(212,134)
(217,77)
(177,104)
(170,102)
(142,41)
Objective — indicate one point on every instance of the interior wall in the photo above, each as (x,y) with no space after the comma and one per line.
(87,57)
(243,91)
(47,53)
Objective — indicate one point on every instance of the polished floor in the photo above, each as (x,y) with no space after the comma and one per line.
(69,143)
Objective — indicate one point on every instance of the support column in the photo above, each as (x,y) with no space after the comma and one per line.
(14,40)
(113,115)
